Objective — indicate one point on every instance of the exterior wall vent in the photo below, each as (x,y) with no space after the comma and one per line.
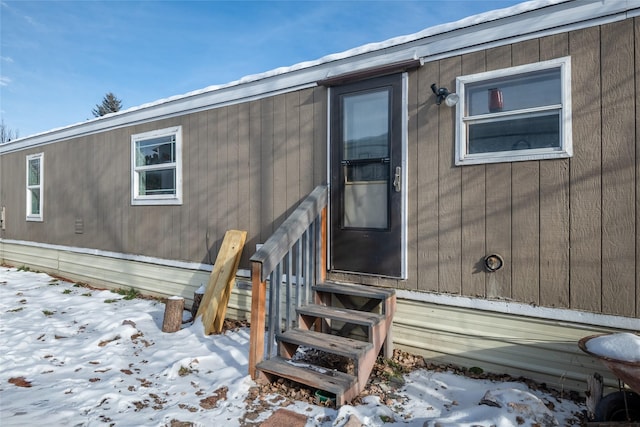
(79,227)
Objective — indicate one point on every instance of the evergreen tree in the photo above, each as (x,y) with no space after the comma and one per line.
(110,104)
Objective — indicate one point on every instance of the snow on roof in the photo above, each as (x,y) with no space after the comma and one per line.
(377,46)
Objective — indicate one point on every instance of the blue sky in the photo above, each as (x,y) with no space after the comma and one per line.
(59,58)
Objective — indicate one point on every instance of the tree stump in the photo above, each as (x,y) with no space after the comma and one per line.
(197,298)
(595,390)
(173,314)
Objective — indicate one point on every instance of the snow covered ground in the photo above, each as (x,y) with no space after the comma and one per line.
(74,356)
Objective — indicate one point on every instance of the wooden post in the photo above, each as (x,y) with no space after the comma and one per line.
(258,309)
(322,268)
(594,394)
(197,297)
(173,314)
(389,311)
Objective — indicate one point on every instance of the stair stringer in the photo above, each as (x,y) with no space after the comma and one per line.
(378,336)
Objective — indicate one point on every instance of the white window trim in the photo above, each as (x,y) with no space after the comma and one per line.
(566,145)
(31,217)
(159,199)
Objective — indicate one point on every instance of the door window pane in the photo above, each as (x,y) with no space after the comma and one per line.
(365,205)
(378,171)
(366,125)
(366,131)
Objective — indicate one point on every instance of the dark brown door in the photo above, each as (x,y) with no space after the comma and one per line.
(366,187)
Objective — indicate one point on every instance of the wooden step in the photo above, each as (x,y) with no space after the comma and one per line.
(343,385)
(365,307)
(354,290)
(354,317)
(333,344)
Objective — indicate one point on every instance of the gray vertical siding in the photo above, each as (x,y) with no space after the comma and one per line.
(566,228)
(586,172)
(637,159)
(618,169)
(244,166)
(473,205)
(526,208)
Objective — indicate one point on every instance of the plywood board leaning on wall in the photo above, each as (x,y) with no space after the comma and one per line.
(216,297)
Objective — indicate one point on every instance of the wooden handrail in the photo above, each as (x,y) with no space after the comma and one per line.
(277,246)
(306,224)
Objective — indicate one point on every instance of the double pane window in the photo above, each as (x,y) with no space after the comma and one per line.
(34,187)
(521,113)
(156,165)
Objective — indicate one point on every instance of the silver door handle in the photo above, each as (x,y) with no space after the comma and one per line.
(397,179)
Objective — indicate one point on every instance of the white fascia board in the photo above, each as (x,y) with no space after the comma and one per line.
(520,22)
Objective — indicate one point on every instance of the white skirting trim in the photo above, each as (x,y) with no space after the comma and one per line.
(528,310)
(117,255)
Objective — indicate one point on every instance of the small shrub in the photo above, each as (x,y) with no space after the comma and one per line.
(48,312)
(184,371)
(24,268)
(15,310)
(88,294)
(394,365)
(110,301)
(128,294)
(66,291)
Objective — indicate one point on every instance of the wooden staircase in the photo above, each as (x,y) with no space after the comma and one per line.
(304,310)
(351,321)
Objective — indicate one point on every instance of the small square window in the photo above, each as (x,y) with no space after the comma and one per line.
(515,114)
(156,167)
(35,164)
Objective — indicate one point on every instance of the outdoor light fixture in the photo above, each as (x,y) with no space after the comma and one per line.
(450,99)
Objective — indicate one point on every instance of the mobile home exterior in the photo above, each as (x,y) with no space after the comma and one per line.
(508,224)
